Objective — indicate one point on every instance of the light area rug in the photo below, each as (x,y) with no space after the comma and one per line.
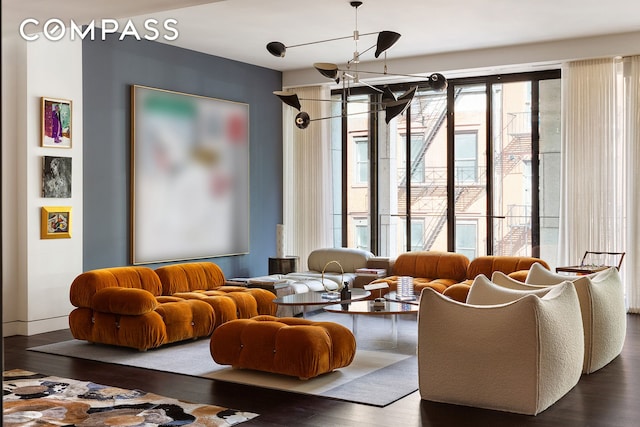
(375,377)
(31,399)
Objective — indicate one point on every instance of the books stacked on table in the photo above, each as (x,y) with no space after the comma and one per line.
(371,272)
(237,281)
(267,282)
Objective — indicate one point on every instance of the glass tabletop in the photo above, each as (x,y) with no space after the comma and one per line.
(315,298)
(393,296)
(368,307)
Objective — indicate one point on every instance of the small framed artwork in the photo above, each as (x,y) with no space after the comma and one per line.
(56,123)
(56,177)
(56,222)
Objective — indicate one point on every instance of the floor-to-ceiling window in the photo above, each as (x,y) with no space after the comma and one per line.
(358,165)
(473,169)
(468,135)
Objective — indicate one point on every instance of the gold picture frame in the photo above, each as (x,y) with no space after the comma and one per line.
(56,122)
(55,222)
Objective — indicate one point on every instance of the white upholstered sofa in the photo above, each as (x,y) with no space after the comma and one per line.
(339,265)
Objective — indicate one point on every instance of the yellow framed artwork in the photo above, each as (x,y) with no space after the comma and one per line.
(56,222)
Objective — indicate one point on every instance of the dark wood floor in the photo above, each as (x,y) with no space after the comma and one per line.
(609,397)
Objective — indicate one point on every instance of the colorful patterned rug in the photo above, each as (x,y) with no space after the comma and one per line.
(31,399)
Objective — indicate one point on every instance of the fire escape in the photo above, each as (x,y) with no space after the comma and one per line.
(518,232)
(429,196)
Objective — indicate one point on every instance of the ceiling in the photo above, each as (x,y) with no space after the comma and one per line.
(240,29)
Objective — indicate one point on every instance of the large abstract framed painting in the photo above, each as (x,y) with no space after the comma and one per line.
(56,122)
(189,176)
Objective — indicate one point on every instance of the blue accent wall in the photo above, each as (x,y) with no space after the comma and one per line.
(109,69)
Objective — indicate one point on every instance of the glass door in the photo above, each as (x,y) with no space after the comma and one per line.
(357,172)
(474,169)
(470,169)
(512,155)
(422,173)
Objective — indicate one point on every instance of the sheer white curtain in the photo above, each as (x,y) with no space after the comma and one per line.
(631,125)
(591,210)
(599,208)
(307,176)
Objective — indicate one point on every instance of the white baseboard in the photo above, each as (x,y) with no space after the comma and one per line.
(34,327)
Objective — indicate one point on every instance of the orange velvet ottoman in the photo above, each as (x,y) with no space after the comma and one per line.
(283,345)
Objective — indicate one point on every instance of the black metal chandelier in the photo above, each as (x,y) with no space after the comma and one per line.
(351,74)
(385,40)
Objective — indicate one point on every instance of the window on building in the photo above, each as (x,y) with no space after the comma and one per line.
(362,159)
(417,234)
(467,238)
(466,157)
(361,230)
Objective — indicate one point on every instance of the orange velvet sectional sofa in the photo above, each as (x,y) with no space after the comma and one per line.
(516,267)
(432,269)
(143,308)
(450,273)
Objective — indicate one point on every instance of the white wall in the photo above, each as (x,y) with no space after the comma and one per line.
(14,301)
(37,272)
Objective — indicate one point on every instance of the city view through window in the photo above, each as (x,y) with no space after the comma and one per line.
(475,170)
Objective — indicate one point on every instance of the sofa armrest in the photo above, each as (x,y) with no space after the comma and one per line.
(124,301)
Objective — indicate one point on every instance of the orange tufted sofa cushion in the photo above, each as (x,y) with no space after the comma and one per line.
(205,281)
(429,269)
(131,302)
(192,276)
(515,266)
(87,284)
(290,346)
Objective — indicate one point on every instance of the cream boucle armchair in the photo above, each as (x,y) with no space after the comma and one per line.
(602,304)
(519,356)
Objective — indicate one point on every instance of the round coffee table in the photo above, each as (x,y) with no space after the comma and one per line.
(308,299)
(359,308)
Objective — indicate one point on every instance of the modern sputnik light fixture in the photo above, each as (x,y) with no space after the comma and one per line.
(392,106)
(386,39)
